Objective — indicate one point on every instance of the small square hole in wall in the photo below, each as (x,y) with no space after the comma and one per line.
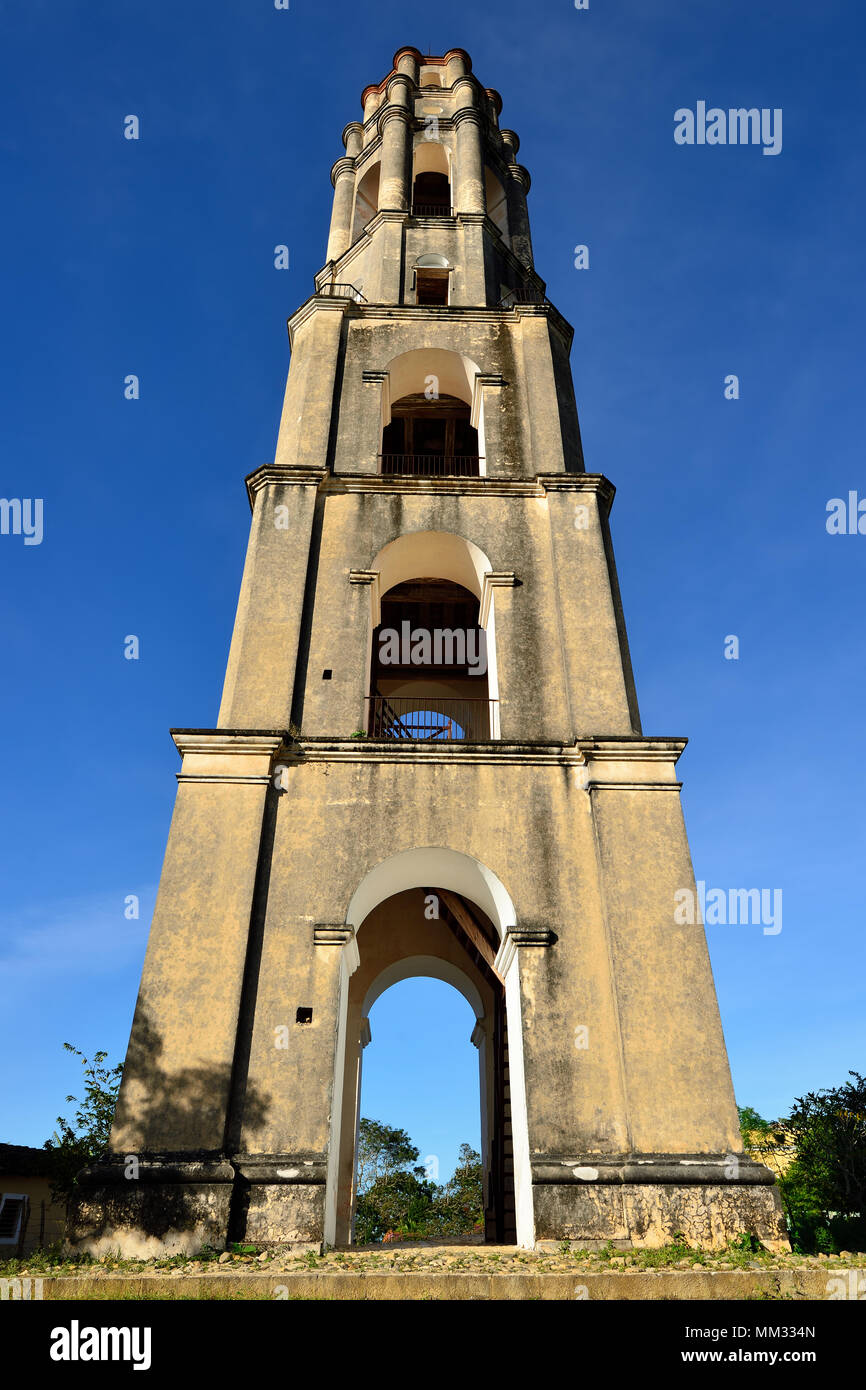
(326,675)
(304,1016)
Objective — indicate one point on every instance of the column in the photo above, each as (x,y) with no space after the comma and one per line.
(340,235)
(469,190)
(395,123)
(408,61)
(370,100)
(516,189)
(457,65)
(518,214)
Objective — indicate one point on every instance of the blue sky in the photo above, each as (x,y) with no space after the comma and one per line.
(155,257)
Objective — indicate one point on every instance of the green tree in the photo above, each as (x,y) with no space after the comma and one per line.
(752,1124)
(394,1193)
(460,1202)
(824,1189)
(401,1202)
(383,1151)
(74,1145)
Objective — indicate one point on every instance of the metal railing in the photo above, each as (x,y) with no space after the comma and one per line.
(339,290)
(431,210)
(432,465)
(429,719)
(522,296)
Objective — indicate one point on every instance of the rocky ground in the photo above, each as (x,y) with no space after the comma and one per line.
(422,1257)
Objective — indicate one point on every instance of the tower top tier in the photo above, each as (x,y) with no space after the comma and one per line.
(430,154)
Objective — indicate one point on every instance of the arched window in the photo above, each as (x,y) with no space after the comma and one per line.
(432,672)
(366,200)
(497,203)
(429,676)
(431,189)
(432,424)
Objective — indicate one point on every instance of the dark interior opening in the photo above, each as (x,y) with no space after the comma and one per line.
(431,287)
(431,195)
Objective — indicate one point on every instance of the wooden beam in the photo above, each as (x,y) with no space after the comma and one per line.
(463,914)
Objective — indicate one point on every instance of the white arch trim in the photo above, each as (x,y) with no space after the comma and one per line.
(408,373)
(433,867)
(430,967)
(431,157)
(420,554)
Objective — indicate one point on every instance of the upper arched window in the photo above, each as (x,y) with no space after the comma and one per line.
(433,415)
(366,200)
(497,203)
(431,188)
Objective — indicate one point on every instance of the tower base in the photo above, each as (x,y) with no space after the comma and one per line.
(647,1201)
(157,1206)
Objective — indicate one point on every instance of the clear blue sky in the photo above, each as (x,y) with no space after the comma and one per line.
(156,258)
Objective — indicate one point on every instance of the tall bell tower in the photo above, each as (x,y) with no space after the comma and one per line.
(428,760)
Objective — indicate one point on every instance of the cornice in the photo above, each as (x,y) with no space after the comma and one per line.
(575,482)
(517,938)
(242,742)
(309,750)
(490,580)
(414,487)
(292,475)
(317,303)
(632,748)
(283,474)
(686,1169)
(267,743)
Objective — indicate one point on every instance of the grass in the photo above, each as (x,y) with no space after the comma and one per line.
(744,1253)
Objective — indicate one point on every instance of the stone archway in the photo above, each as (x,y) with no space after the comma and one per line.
(436,912)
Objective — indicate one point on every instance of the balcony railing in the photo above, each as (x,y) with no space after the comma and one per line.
(432,465)
(339,290)
(522,296)
(431,210)
(429,719)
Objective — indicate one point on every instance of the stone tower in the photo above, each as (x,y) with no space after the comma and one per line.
(428,761)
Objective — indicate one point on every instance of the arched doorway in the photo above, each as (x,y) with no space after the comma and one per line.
(420,1075)
(437,912)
